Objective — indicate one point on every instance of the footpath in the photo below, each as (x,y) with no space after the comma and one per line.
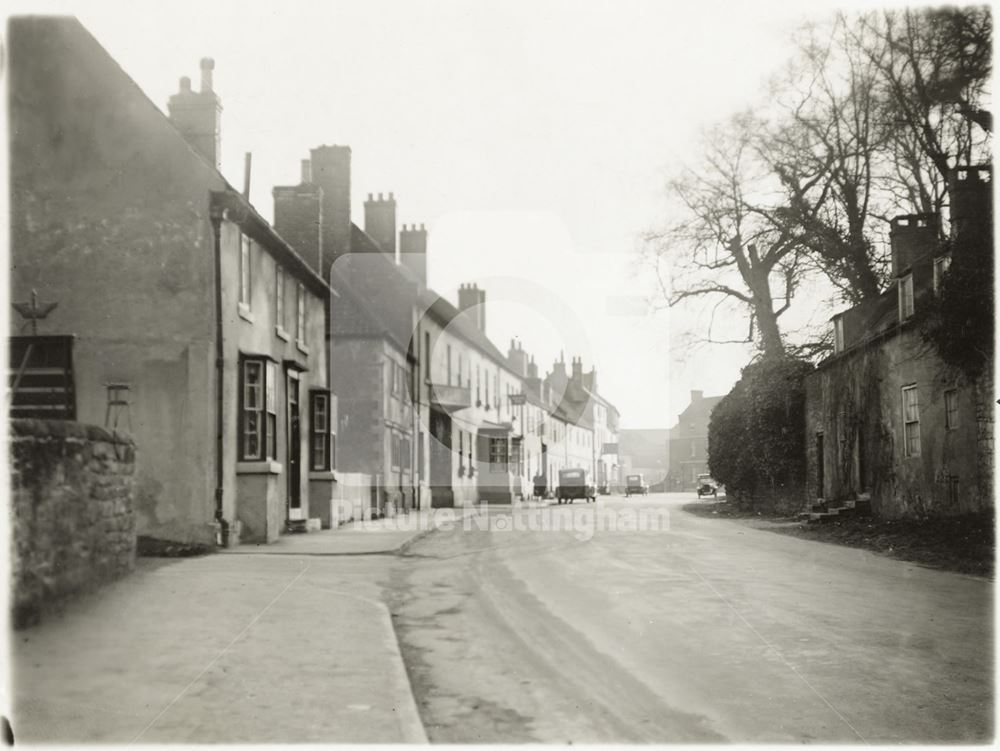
(285,643)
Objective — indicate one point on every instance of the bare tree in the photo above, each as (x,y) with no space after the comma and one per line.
(934,70)
(828,134)
(731,243)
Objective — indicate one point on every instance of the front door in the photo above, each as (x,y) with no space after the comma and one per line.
(294,449)
(441,460)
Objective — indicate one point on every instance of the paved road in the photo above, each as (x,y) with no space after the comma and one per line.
(708,631)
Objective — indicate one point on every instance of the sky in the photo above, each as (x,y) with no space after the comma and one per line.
(533,139)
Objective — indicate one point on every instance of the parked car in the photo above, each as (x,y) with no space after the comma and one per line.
(707,486)
(573,484)
(634,485)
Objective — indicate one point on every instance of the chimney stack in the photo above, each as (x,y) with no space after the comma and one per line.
(532,368)
(577,365)
(472,301)
(380,222)
(413,250)
(207,66)
(696,396)
(197,115)
(298,217)
(517,358)
(331,171)
(912,236)
(971,191)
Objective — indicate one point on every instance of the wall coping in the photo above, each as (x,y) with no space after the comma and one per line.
(28,427)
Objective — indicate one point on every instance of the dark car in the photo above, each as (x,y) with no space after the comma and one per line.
(573,484)
(635,485)
(707,486)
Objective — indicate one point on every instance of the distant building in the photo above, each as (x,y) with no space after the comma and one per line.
(181,316)
(646,452)
(688,447)
(886,420)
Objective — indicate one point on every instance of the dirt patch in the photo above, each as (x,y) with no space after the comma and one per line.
(965,543)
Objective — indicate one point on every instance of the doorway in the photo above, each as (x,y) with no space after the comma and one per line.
(442,494)
(294,455)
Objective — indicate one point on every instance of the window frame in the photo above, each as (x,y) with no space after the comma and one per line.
(907,306)
(499,460)
(300,314)
(246,271)
(264,410)
(951,421)
(279,297)
(318,437)
(941,266)
(911,421)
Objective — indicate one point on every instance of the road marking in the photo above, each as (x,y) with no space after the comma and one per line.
(219,656)
(780,656)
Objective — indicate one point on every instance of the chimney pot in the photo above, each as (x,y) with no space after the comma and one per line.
(207,66)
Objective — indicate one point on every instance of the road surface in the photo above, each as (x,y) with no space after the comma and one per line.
(707,631)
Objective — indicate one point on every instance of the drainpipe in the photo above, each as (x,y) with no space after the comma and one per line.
(216,215)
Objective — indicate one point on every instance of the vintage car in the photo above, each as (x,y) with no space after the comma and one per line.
(634,485)
(707,486)
(573,484)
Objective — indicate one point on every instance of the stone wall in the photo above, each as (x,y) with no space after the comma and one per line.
(72,516)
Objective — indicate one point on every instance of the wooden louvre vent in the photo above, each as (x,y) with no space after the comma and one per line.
(40,380)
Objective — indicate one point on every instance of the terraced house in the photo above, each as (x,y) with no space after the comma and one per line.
(889,424)
(156,300)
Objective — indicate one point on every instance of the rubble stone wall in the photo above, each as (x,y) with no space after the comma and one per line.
(72,511)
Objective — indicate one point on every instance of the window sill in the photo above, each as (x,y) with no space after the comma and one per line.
(328,475)
(244,311)
(268,467)
(282,334)
(301,347)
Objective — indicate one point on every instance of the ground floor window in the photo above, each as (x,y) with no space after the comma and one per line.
(516,456)
(320,433)
(258,413)
(911,421)
(498,454)
(395,450)
(405,449)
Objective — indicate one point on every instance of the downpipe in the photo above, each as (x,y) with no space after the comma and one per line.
(217,214)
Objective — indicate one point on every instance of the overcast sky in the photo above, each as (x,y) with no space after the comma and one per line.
(534,140)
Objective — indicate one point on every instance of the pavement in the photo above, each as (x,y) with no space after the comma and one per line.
(289,643)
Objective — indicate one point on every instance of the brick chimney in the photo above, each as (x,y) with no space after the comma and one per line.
(577,365)
(912,237)
(971,191)
(331,171)
(517,358)
(298,217)
(197,115)
(413,250)
(472,301)
(532,368)
(697,396)
(380,222)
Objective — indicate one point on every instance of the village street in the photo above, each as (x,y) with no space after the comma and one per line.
(709,630)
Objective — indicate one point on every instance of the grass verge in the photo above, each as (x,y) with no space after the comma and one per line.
(965,543)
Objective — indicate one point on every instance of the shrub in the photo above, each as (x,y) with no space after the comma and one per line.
(756,434)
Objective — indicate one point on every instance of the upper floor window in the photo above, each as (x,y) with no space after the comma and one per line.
(951,409)
(245,270)
(258,413)
(279,297)
(838,335)
(941,266)
(300,314)
(427,355)
(905,297)
(911,421)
